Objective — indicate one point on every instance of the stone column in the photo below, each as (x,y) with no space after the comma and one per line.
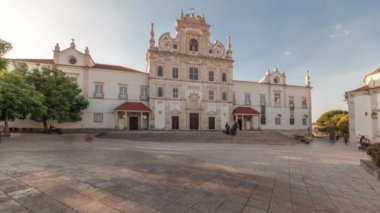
(116,116)
(125,120)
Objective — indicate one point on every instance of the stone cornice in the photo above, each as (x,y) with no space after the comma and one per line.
(168,53)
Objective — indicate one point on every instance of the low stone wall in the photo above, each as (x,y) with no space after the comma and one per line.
(371,168)
(292,133)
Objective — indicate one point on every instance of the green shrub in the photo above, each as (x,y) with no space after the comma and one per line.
(374,151)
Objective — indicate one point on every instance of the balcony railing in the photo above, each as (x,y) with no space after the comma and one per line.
(98,95)
(262,103)
(247,102)
(123,96)
(144,97)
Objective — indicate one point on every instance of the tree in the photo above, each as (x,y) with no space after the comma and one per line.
(343,125)
(17,98)
(61,96)
(329,120)
(4,48)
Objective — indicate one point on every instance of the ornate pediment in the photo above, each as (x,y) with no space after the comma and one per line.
(211,113)
(194,101)
(175,112)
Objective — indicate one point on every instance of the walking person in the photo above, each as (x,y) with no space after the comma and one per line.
(227,128)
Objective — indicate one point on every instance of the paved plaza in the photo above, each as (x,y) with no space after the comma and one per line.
(53,173)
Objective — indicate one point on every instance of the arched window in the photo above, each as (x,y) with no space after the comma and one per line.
(276,80)
(160,92)
(160,71)
(224,96)
(72,60)
(193,45)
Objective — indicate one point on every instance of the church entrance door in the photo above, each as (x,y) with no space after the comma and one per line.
(194,120)
(133,123)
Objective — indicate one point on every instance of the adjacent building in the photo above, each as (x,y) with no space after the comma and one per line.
(364,107)
(188,85)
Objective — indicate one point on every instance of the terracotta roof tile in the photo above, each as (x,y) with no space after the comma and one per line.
(377,70)
(133,106)
(245,110)
(34,60)
(115,67)
(97,66)
(363,88)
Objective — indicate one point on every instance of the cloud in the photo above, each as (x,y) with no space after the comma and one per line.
(337,30)
(287,52)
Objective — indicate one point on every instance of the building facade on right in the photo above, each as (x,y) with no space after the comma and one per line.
(363,108)
(271,103)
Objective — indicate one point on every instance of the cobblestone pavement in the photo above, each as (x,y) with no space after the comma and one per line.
(51,173)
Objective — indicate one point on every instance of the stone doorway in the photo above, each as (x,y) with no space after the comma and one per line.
(194,121)
(133,123)
(211,122)
(175,122)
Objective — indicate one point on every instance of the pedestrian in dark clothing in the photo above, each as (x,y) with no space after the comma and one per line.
(227,128)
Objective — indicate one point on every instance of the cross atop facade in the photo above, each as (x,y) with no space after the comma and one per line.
(192,11)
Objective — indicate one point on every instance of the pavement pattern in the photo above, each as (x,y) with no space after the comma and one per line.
(53,173)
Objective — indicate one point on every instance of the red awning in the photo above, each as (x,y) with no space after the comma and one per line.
(133,106)
(245,110)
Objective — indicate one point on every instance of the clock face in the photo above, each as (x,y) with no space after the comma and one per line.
(165,44)
(218,51)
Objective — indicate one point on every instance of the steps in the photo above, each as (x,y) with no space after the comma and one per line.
(246,137)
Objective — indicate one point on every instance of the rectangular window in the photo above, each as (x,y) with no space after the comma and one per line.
(123,92)
(143,93)
(304,102)
(224,96)
(160,92)
(175,92)
(277,99)
(98,117)
(262,115)
(210,76)
(304,121)
(291,100)
(247,99)
(74,79)
(262,99)
(211,95)
(291,121)
(160,71)
(277,120)
(98,91)
(175,73)
(193,74)
(224,77)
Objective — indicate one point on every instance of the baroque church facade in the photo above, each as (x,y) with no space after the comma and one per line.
(188,85)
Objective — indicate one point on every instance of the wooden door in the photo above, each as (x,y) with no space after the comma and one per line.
(194,120)
(175,122)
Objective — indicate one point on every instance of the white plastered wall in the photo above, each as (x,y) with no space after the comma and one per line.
(363,119)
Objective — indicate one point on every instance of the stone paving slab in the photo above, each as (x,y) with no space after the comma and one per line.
(40,173)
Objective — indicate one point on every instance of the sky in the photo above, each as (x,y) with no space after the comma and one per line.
(337,40)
